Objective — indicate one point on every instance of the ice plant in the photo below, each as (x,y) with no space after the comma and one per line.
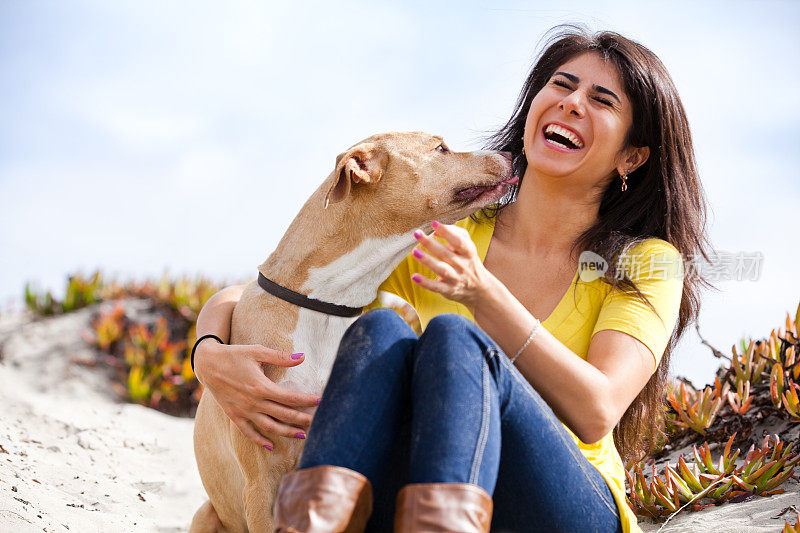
(740,400)
(791,402)
(693,413)
(667,495)
(80,292)
(726,464)
(108,327)
(776,385)
(648,499)
(761,473)
(766,468)
(789,528)
(763,375)
(750,367)
(185,295)
(791,360)
(155,364)
(152,362)
(42,304)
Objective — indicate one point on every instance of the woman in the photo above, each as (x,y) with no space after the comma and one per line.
(459,431)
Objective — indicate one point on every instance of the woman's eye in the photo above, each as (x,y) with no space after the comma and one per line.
(564,84)
(442,148)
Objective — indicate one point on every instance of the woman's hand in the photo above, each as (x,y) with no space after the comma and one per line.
(462,276)
(235,376)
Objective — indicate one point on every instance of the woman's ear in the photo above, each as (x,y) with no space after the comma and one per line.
(636,157)
(365,163)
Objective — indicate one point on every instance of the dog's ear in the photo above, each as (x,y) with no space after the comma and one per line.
(363,163)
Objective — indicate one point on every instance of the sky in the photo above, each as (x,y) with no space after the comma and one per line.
(144,137)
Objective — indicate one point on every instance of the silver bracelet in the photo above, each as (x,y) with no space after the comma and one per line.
(527,342)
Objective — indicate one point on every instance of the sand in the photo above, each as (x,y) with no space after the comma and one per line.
(75,458)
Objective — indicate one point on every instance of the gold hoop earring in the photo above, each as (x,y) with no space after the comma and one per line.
(523,144)
(624,177)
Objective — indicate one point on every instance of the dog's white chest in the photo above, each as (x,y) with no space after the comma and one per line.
(352,279)
(317,336)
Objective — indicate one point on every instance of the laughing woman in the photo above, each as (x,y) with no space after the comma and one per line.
(534,377)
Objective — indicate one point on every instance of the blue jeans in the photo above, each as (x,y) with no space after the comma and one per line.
(450,407)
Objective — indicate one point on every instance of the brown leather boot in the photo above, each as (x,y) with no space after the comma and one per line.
(323,499)
(434,507)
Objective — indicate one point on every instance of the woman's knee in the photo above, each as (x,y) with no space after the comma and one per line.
(448,323)
(376,334)
(455,335)
(455,327)
(380,322)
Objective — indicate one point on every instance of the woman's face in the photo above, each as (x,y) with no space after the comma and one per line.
(577,124)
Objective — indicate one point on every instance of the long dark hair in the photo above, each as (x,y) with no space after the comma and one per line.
(664,198)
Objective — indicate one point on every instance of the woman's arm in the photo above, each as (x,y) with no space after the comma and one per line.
(234,375)
(215,319)
(589,396)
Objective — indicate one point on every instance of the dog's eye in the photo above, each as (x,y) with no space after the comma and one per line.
(442,148)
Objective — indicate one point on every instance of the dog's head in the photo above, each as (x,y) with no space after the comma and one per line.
(413,178)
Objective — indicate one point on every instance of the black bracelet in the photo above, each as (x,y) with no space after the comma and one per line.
(191,360)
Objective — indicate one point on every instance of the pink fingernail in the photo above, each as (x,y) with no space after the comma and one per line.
(418,253)
(416,278)
(319,400)
(435,224)
(297,355)
(418,234)
(300,436)
(267,446)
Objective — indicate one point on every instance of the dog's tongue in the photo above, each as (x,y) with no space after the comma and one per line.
(472,192)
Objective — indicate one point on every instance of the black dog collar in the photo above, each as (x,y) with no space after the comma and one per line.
(304,301)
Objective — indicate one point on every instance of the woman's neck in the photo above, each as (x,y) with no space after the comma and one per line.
(548,215)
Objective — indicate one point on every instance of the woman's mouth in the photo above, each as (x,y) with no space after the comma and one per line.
(560,138)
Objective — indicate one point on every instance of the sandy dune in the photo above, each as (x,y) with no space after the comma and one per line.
(75,459)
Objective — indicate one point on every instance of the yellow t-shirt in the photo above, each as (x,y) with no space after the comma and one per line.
(655,267)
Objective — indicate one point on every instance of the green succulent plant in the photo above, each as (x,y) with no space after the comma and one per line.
(761,473)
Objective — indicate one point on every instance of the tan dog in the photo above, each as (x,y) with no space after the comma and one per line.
(348,237)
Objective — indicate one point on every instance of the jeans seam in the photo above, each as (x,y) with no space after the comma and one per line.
(560,432)
(483,436)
